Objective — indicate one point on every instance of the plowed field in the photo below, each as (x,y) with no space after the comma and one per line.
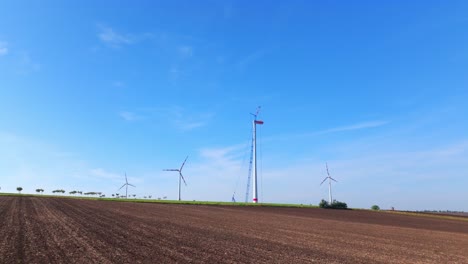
(60,230)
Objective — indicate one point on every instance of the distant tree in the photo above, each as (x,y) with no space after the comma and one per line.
(113,195)
(149,196)
(375,207)
(134,195)
(323,204)
(38,190)
(19,189)
(339,205)
(165,197)
(334,205)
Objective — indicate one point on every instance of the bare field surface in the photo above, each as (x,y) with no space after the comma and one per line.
(60,230)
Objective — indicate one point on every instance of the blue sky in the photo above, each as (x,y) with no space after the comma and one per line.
(90,90)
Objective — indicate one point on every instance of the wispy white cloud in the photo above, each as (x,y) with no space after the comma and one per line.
(222,153)
(253,57)
(179,67)
(357,126)
(183,125)
(26,64)
(352,127)
(118,84)
(115,39)
(176,116)
(32,164)
(101,173)
(174,73)
(183,120)
(112,38)
(130,116)
(3,48)
(185,51)
(217,174)
(405,177)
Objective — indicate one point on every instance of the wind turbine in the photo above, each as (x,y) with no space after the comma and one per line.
(126,184)
(180,174)
(329,184)
(253,160)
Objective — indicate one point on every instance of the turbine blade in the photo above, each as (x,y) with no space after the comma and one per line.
(182,176)
(183,163)
(171,170)
(333,179)
(326,164)
(324,180)
(121,187)
(126,178)
(131,185)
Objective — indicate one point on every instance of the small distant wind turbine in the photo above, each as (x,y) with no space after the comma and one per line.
(181,177)
(329,184)
(126,184)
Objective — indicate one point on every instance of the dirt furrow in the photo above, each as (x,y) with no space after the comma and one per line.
(58,230)
(10,231)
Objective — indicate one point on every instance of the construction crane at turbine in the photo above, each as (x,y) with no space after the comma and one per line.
(253,160)
(329,185)
(181,177)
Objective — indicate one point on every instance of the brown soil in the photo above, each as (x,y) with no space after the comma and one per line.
(59,230)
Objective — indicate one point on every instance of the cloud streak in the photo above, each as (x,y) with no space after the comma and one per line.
(3,48)
(251,58)
(176,116)
(185,51)
(357,126)
(387,179)
(101,173)
(27,64)
(110,37)
(129,116)
(353,127)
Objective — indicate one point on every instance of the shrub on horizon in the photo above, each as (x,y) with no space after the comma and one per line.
(323,204)
(334,205)
(375,207)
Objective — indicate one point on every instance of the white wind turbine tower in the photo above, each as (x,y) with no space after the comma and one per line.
(329,184)
(181,177)
(254,156)
(126,184)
